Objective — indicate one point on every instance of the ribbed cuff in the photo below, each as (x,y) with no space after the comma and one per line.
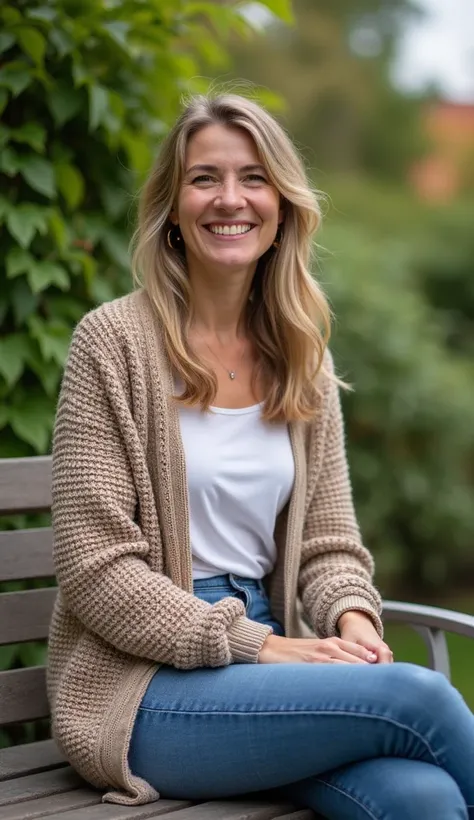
(246,639)
(351,602)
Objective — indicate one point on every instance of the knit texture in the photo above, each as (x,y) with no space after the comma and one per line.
(122,552)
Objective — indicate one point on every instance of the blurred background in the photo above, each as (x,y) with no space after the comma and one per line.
(379,97)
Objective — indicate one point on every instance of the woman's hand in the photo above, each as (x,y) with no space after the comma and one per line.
(313,650)
(357,627)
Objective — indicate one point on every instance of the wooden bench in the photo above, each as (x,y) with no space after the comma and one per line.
(35,779)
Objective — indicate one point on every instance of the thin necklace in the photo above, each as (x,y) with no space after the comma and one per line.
(232,374)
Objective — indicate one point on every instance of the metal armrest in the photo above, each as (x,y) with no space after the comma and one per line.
(431,623)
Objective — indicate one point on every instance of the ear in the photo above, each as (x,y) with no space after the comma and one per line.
(174,217)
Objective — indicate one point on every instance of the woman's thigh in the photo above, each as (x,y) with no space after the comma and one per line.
(208,733)
(383,789)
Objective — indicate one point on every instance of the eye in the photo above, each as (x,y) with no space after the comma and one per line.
(202,178)
(255,178)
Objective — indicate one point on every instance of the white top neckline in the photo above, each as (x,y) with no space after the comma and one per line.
(235,411)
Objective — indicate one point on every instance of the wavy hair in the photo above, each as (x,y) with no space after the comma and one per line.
(288,316)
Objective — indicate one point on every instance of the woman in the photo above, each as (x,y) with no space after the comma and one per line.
(200,486)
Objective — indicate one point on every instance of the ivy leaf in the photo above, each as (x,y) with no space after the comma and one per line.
(32,43)
(118,31)
(58,229)
(10,162)
(18,261)
(6,40)
(14,351)
(43,274)
(64,102)
(39,173)
(32,133)
(62,41)
(98,105)
(24,221)
(44,13)
(15,76)
(22,300)
(53,338)
(32,420)
(70,183)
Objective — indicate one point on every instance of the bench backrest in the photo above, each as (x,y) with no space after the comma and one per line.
(25,486)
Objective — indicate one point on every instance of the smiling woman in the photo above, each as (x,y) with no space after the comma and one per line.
(200,487)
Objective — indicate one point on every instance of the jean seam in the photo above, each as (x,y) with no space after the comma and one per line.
(309,712)
(350,796)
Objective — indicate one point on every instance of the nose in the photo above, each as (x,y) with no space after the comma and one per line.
(230,196)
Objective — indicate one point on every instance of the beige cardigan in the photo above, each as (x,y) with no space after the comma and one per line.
(122,552)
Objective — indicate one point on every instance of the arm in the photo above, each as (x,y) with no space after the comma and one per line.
(336,569)
(100,553)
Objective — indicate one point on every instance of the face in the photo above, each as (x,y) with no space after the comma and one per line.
(227,210)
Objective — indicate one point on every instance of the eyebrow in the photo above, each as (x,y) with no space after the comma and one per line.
(212,169)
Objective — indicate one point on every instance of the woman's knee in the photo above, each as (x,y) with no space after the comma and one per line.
(422,689)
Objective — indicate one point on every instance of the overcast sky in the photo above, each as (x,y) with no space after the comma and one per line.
(441,48)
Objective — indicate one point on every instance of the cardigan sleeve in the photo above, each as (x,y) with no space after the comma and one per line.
(336,570)
(100,552)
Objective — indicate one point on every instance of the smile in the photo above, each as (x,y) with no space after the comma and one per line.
(236,229)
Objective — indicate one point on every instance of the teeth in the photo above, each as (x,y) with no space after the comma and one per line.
(230,230)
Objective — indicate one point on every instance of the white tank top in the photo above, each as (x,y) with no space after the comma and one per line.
(240,473)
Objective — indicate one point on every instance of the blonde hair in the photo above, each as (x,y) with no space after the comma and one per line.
(288,314)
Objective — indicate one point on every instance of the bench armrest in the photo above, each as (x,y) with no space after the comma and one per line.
(431,623)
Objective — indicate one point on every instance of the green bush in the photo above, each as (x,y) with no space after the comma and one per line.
(410,419)
(87,89)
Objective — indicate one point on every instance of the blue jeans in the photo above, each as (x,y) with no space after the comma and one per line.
(388,742)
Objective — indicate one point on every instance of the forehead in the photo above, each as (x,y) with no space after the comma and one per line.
(221,145)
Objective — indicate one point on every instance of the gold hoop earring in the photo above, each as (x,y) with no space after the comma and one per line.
(277,242)
(174,234)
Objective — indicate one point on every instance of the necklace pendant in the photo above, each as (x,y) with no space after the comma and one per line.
(231,375)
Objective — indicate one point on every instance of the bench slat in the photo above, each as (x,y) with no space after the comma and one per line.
(30,758)
(39,785)
(23,695)
(25,616)
(233,810)
(111,811)
(26,554)
(51,805)
(25,484)
(301,814)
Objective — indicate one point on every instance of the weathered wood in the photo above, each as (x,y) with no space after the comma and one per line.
(111,811)
(53,805)
(25,484)
(300,814)
(26,554)
(234,810)
(39,785)
(16,761)
(23,695)
(25,616)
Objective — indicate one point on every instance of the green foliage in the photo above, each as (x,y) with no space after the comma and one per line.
(87,89)
(410,420)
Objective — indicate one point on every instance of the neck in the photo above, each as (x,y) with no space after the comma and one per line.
(220,305)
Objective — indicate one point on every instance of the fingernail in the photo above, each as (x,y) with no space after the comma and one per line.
(371,657)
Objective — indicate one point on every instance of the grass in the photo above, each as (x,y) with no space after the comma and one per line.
(407,645)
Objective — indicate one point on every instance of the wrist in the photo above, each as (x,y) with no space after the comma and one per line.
(352,615)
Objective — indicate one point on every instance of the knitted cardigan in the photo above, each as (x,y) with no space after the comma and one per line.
(122,552)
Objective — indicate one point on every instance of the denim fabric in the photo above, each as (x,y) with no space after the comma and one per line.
(388,742)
